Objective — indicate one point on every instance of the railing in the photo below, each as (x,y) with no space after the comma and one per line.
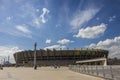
(107,72)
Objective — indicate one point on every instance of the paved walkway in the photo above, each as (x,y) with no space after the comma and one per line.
(43,73)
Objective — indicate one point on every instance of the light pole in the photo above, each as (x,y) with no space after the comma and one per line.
(8,61)
(35,66)
(1,67)
(16,59)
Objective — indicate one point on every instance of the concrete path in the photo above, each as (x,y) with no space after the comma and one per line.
(43,73)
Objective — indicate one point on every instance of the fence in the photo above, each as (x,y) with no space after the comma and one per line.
(107,72)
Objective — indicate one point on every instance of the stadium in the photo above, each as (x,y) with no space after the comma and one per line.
(62,57)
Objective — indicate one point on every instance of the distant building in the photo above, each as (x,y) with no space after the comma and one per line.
(62,57)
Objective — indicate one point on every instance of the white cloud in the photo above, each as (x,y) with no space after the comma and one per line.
(112,18)
(23,29)
(91,32)
(9,18)
(43,15)
(6,51)
(55,47)
(37,10)
(42,19)
(97,18)
(83,17)
(64,41)
(26,14)
(36,21)
(58,25)
(30,14)
(48,41)
(113,45)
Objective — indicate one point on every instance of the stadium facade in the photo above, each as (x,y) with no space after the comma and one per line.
(62,57)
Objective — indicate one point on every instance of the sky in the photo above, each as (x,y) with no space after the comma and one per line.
(59,24)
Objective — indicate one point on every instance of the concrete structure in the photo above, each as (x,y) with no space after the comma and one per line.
(61,57)
(103,61)
(43,73)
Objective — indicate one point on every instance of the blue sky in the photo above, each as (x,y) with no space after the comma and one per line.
(59,24)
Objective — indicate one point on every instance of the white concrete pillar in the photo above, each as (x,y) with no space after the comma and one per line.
(105,62)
